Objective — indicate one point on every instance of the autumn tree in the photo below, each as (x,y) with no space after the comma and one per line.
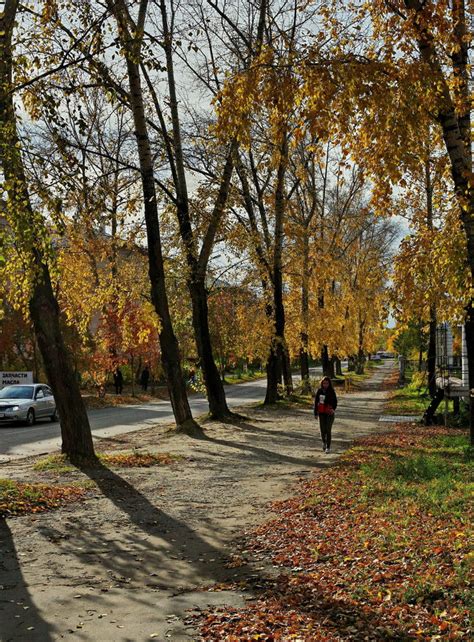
(326,214)
(131,37)
(258,107)
(30,239)
(408,69)
(102,256)
(442,36)
(430,278)
(17,342)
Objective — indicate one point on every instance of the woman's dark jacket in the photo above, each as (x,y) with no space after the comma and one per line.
(330,399)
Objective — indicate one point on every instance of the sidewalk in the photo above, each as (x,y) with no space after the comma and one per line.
(128,563)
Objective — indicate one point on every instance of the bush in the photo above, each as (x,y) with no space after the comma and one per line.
(418,381)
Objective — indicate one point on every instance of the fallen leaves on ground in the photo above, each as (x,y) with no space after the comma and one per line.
(135,459)
(378,547)
(113,400)
(17,498)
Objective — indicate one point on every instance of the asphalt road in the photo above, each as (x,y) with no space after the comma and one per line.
(44,437)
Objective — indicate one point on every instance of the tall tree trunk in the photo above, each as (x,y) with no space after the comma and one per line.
(197,265)
(431,357)
(75,429)
(360,353)
(304,346)
(212,379)
(338,366)
(286,369)
(456,127)
(278,343)
(325,361)
(304,365)
(420,358)
(273,365)
(168,342)
(273,374)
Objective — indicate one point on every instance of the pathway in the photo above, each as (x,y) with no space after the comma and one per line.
(127,564)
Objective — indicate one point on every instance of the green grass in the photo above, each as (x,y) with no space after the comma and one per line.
(242,377)
(10,491)
(407,401)
(54,463)
(439,476)
(413,398)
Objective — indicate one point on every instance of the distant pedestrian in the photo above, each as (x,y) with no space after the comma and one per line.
(144,378)
(325,403)
(192,376)
(118,381)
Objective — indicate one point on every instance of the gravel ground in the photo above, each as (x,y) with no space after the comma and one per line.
(130,563)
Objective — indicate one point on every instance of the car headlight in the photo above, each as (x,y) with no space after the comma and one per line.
(14,409)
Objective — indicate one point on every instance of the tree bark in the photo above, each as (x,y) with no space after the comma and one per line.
(304,356)
(278,344)
(304,365)
(325,362)
(213,381)
(273,373)
(360,362)
(286,370)
(75,429)
(168,342)
(197,265)
(431,357)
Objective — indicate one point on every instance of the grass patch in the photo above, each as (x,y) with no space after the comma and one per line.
(242,377)
(54,463)
(407,401)
(60,464)
(20,499)
(436,477)
(413,398)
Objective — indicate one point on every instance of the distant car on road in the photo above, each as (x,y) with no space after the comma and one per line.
(27,403)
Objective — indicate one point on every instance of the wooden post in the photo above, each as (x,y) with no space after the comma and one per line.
(401,375)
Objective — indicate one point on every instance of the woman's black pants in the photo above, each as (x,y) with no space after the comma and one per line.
(325,426)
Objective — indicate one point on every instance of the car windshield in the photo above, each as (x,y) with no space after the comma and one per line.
(17,392)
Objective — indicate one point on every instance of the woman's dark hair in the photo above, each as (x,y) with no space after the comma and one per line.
(325,379)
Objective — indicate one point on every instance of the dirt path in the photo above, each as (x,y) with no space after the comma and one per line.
(130,562)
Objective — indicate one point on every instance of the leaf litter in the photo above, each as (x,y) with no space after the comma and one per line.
(377,547)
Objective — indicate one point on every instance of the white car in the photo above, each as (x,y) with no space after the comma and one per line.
(26,403)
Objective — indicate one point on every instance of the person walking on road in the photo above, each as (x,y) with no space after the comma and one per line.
(325,404)
(118,381)
(145,377)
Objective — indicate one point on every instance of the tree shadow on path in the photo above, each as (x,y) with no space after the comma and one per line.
(263,454)
(20,619)
(169,546)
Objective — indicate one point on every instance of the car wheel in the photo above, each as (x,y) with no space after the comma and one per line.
(30,417)
(55,415)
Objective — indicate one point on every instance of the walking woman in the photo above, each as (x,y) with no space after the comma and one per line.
(325,403)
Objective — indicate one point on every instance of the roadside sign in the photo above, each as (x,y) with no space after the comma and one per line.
(10,378)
